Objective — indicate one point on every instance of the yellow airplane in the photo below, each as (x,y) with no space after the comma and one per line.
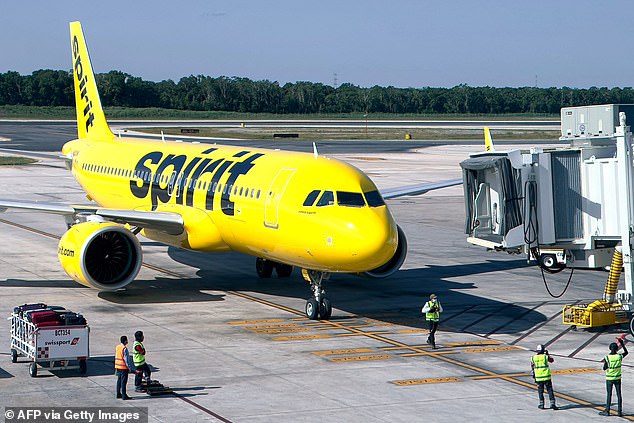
(285,208)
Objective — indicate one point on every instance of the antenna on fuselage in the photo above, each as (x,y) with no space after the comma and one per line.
(315,150)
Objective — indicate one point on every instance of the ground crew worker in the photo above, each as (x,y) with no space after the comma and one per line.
(432,310)
(122,369)
(541,374)
(612,367)
(138,355)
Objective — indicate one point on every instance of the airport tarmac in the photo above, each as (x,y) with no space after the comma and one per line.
(237,348)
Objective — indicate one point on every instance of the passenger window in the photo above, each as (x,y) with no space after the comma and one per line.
(350,199)
(374,199)
(327,199)
(311,197)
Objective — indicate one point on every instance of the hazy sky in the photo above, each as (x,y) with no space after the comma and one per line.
(417,43)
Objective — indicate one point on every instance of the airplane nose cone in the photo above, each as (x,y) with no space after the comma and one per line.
(377,240)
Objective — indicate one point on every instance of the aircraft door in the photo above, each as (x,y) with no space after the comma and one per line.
(273,197)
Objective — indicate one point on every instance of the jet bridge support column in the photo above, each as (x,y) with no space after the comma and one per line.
(626,214)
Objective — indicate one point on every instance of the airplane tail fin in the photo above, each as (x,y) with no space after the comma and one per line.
(91,120)
(488,141)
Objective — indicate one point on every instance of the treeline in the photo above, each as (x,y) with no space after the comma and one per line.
(54,88)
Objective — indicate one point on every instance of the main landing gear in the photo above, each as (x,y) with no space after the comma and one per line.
(319,306)
(265,267)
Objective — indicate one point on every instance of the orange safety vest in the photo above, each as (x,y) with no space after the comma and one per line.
(119,359)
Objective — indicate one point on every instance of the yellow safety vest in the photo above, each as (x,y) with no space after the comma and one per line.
(119,359)
(540,367)
(435,316)
(613,372)
(137,357)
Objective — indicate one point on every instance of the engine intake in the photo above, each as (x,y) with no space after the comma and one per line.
(100,255)
(394,263)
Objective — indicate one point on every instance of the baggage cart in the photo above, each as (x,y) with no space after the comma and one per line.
(52,347)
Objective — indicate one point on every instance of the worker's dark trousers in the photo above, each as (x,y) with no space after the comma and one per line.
(608,385)
(140,370)
(433,326)
(540,391)
(122,382)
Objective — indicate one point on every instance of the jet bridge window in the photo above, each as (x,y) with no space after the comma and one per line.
(350,199)
(326,199)
(311,197)
(374,199)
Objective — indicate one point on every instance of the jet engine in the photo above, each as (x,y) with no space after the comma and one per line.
(100,255)
(392,264)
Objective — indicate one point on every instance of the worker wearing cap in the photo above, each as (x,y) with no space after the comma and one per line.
(541,374)
(138,355)
(612,367)
(432,310)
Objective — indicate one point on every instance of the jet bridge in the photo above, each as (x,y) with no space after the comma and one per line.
(563,207)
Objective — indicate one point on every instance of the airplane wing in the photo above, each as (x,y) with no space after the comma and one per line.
(171,223)
(418,188)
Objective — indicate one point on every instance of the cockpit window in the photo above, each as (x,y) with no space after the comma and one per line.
(311,197)
(350,199)
(374,199)
(327,199)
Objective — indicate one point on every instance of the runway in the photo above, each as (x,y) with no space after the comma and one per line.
(238,349)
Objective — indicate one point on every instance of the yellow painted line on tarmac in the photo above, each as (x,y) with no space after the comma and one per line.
(428,353)
(361,333)
(284,330)
(341,352)
(262,327)
(253,322)
(300,337)
(492,349)
(412,330)
(360,358)
(468,344)
(576,370)
(410,382)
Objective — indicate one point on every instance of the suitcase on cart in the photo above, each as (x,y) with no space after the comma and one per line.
(70,319)
(26,307)
(43,317)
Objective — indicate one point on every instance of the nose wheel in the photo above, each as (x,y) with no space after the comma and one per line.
(319,306)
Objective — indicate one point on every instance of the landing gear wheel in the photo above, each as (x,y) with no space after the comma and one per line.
(325,309)
(312,309)
(283,270)
(14,356)
(33,369)
(82,367)
(264,267)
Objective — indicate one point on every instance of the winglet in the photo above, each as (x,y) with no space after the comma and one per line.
(91,121)
(315,150)
(488,142)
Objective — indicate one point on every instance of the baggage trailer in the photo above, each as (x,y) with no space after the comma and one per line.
(52,347)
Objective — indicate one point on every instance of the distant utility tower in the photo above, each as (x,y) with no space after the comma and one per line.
(334,79)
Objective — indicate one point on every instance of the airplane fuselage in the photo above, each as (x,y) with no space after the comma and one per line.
(296,208)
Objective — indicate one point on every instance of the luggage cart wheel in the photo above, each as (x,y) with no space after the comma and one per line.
(14,356)
(33,369)
(632,324)
(82,367)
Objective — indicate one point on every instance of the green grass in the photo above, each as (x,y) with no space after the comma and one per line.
(44,112)
(359,133)
(15,161)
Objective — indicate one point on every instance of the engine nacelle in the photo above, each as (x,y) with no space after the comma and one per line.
(100,255)
(394,263)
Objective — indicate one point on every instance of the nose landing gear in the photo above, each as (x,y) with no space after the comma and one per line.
(319,306)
